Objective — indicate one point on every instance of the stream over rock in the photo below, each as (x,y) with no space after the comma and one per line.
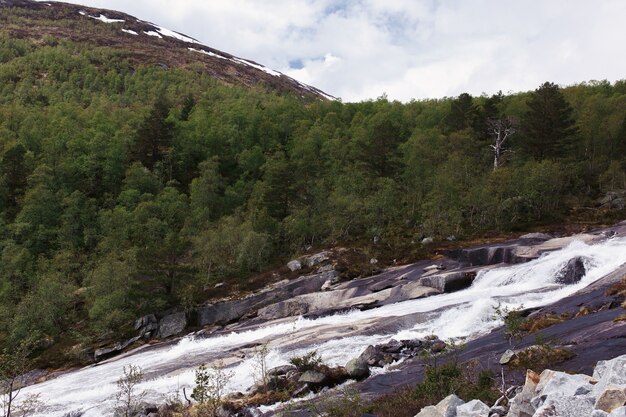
(405,310)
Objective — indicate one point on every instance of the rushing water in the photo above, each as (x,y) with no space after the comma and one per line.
(466,313)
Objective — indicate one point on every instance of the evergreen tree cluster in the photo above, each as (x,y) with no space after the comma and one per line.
(130,189)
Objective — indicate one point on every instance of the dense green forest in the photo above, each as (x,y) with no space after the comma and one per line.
(127,189)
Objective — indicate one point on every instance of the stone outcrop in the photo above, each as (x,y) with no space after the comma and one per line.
(559,394)
(172,324)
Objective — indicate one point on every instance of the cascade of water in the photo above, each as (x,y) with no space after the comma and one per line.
(466,313)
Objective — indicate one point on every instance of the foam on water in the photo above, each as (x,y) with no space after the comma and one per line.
(466,313)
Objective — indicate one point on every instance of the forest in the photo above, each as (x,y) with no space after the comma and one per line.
(128,189)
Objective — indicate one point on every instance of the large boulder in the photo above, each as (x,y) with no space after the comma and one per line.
(449,281)
(474,408)
(611,372)
(357,369)
(618,412)
(147,325)
(520,404)
(172,324)
(572,272)
(313,378)
(430,411)
(372,356)
(294,265)
(611,398)
(448,406)
(561,383)
(574,406)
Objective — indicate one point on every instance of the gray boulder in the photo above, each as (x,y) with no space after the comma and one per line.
(599,413)
(578,406)
(172,324)
(507,357)
(357,369)
(618,412)
(561,383)
(520,404)
(572,272)
(536,236)
(611,372)
(312,378)
(474,408)
(430,411)
(497,410)
(448,406)
(294,265)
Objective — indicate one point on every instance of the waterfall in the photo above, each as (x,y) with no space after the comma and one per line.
(337,338)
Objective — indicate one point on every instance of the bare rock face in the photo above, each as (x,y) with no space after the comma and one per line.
(172,325)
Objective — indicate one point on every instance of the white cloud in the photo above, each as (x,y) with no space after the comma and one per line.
(359,49)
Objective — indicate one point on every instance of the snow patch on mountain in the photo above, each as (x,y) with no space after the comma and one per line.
(170,33)
(101,18)
(153,33)
(130,31)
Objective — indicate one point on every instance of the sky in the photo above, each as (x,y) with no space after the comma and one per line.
(407,49)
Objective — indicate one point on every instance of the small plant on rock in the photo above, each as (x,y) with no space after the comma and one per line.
(513,319)
(210,386)
(307,362)
(127,399)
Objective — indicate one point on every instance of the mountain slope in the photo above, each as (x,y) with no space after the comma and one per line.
(138,41)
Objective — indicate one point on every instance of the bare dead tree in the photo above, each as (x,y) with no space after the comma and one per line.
(501,129)
(13,366)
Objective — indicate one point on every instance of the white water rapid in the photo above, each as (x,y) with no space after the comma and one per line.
(467,313)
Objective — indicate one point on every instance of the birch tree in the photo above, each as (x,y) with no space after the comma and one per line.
(501,130)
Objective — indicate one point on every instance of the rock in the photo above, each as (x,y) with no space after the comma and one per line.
(449,281)
(434,267)
(451,238)
(284,309)
(558,405)
(294,265)
(172,324)
(281,370)
(611,372)
(448,406)
(599,413)
(561,383)
(611,398)
(614,200)
(474,408)
(536,236)
(438,346)
(219,285)
(572,272)
(316,259)
(312,378)
(145,321)
(507,357)
(497,410)
(327,285)
(357,369)
(392,346)
(618,412)
(251,412)
(427,241)
(430,411)
(107,352)
(372,356)
(520,404)
(300,391)
(373,261)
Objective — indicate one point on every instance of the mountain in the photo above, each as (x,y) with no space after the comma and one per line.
(139,42)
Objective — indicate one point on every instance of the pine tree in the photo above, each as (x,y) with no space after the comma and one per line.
(548,126)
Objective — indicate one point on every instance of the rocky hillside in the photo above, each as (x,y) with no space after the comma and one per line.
(138,41)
